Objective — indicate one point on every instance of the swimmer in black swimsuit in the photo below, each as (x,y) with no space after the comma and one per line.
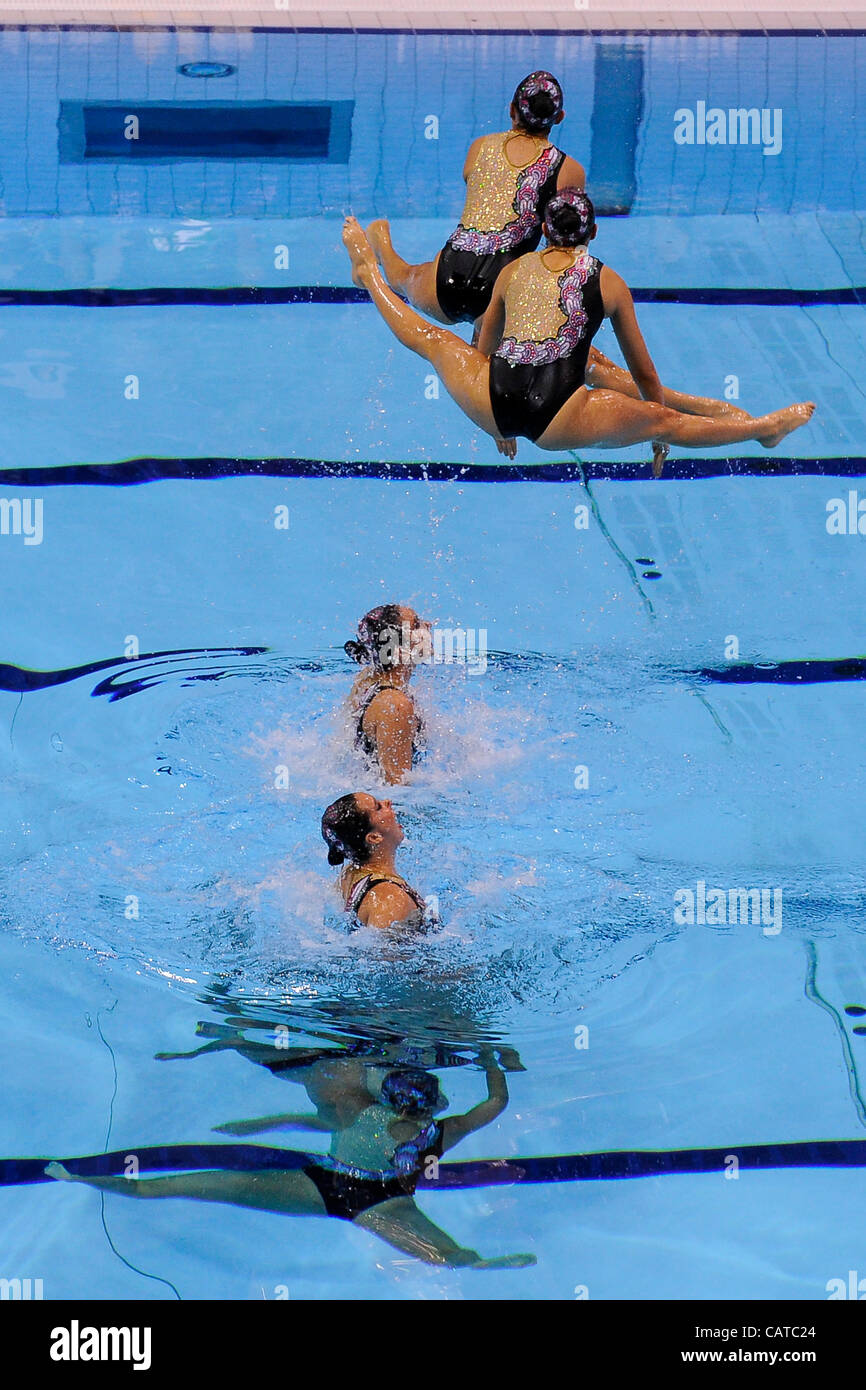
(528,328)
(365,831)
(369,1177)
(389,731)
(509,178)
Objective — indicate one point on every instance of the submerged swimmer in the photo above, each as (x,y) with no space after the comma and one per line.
(509,178)
(365,831)
(388,729)
(527,375)
(369,1177)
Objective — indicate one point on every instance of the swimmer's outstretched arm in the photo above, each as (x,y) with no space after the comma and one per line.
(264,1122)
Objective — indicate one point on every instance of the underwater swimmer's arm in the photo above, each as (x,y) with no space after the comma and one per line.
(457,1127)
(309,1122)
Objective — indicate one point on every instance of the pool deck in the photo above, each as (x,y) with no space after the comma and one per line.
(550,16)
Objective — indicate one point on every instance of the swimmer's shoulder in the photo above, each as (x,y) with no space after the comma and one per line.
(482,144)
(388,703)
(615,293)
(385,904)
(571,173)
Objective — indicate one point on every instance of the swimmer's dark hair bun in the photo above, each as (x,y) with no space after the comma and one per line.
(355,650)
(542,106)
(335,856)
(539,101)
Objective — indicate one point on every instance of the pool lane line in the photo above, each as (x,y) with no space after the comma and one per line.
(487,1172)
(816,672)
(250,296)
(133,472)
(812,992)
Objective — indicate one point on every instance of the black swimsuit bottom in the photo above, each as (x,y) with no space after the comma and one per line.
(464,281)
(346,1196)
(525,399)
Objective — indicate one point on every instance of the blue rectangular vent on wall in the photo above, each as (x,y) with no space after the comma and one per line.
(167,131)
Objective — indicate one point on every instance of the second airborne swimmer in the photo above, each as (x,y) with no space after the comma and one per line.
(509,178)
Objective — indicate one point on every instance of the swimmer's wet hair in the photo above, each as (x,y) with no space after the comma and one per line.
(345,828)
(378,630)
(411,1090)
(569,218)
(538,101)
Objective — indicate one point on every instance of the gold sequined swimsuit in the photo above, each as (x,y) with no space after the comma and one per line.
(551,319)
(501,221)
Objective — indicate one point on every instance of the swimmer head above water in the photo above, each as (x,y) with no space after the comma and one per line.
(363,833)
(358,826)
(536,106)
(569,218)
(391,638)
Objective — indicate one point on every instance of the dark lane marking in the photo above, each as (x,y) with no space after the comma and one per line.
(22,680)
(251,295)
(849,668)
(131,472)
(591,1167)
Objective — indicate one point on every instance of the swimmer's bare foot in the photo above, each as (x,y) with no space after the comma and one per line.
(379,237)
(783,421)
(57,1170)
(505,1262)
(360,252)
(660,454)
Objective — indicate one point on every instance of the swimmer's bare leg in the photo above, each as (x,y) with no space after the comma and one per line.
(611,420)
(402,1224)
(462,369)
(602,373)
(417,283)
(289,1192)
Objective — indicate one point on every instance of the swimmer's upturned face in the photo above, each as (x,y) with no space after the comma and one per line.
(420,635)
(383,820)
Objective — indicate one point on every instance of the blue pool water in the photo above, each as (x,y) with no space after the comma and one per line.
(158,884)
